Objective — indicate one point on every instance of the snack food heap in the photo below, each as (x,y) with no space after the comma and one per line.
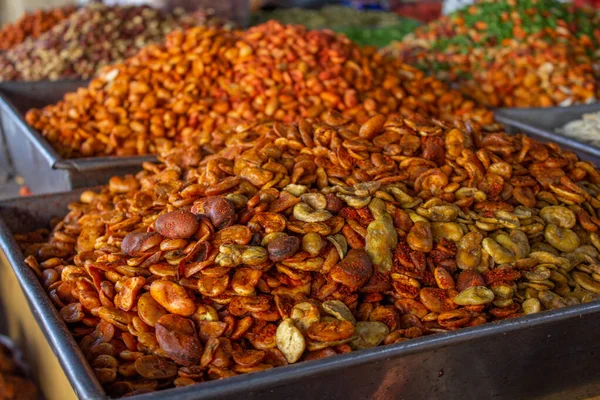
(32,25)
(509,53)
(306,240)
(90,38)
(207,77)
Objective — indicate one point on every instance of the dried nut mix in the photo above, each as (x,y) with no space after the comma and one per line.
(315,239)
(206,77)
(512,53)
(89,39)
(32,25)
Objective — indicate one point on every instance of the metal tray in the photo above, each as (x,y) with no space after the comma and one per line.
(550,355)
(31,155)
(541,124)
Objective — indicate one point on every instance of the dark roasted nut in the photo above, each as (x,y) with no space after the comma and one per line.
(177,337)
(283,247)
(177,224)
(219,210)
(136,243)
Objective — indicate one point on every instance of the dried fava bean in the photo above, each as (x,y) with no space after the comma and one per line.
(232,255)
(563,239)
(136,243)
(313,243)
(290,341)
(72,313)
(560,216)
(437,300)
(219,210)
(177,338)
(469,278)
(149,310)
(531,306)
(381,237)
(338,310)
(317,201)
(499,253)
(177,224)
(283,247)
(154,367)
(304,315)
(354,270)
(305,213)
(126,297)
(468,255)
(173,297)
(330,331)
(340,243)
(369,334)
(420,237)
(586,282)
(474,296)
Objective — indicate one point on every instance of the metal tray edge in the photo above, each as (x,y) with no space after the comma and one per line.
(546,134)
(42,145)
(55,161)
(50,322)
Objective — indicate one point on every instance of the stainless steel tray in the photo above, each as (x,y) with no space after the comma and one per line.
(550,355)
(541,124)
(31,155)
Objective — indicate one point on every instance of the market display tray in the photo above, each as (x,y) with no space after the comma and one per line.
(549,355)
(32,157)
(541,124)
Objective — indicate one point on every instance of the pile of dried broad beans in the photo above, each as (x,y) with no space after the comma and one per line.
(306,240)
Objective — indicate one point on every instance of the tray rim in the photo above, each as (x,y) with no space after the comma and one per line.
(55,161)
(510,118)
(86,385)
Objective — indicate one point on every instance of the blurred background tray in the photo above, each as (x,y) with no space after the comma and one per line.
(34,159)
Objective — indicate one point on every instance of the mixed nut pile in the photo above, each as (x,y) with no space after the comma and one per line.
(90,38)
(509,53)
(306,240)
(32,25)
(206,77)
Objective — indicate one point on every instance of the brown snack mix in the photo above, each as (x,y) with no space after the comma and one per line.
(275,279)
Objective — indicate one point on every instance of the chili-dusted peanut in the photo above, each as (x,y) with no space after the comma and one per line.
(209,290)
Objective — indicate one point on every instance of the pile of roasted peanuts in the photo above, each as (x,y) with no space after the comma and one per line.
(209,77)
(299,241)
